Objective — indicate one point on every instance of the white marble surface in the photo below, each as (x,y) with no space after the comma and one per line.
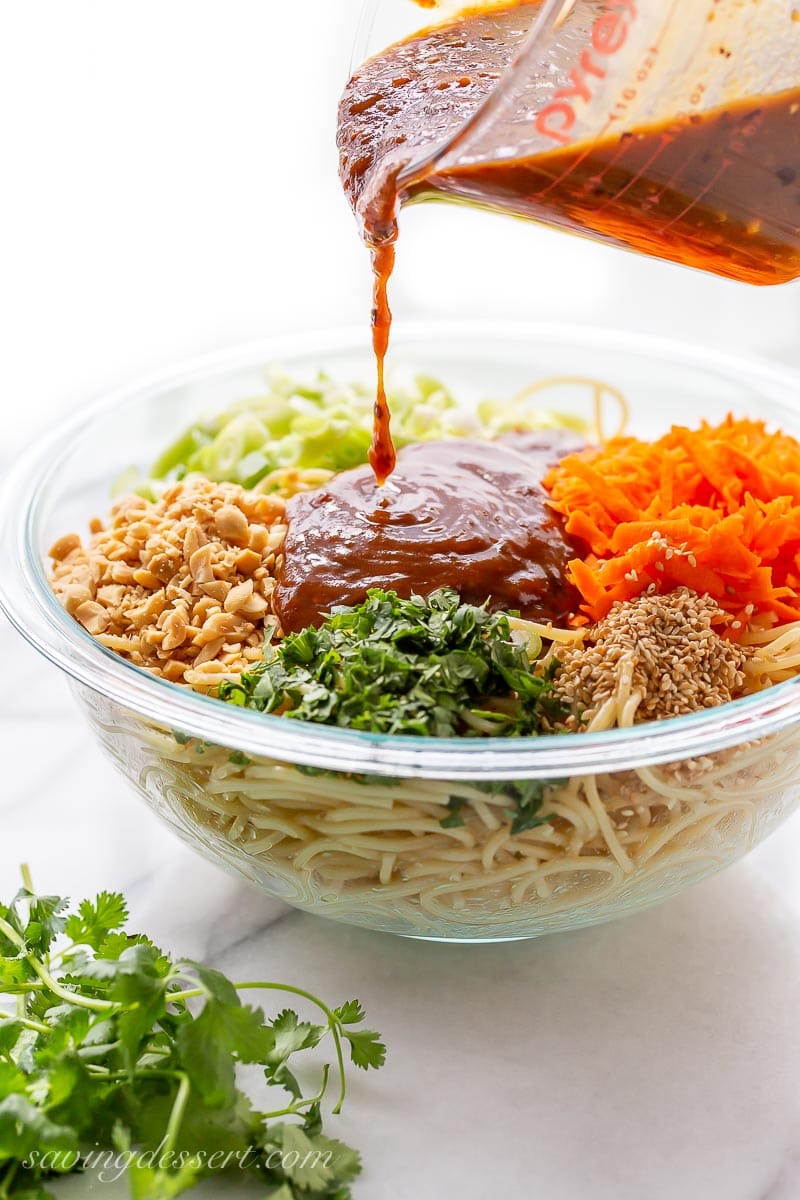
(657,1058)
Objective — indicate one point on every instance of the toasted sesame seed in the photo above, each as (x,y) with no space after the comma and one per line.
(661,648)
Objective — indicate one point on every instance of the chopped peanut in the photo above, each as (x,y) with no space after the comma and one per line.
(181,587)
(231,524)
(65,546)
(247,562)
(93,617)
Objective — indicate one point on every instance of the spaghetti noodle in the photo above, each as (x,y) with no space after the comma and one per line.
(377,852)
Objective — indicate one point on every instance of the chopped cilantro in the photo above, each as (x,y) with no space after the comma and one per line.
(238,759)
(427,667)
(455,819)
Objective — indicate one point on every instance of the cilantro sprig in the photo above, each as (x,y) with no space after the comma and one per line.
(107,1043)
(429,667)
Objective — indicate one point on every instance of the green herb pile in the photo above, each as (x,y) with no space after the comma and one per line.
(431,667)
(107,1044)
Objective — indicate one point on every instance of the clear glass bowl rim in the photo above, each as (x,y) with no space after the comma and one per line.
(27,600)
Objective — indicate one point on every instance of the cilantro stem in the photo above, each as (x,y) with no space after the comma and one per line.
(333,1020)
(96,1005)
(34,1026)
(299,1105)
(178,1111)
(123,1076)
(27,883)
(177,1114)
(5,1185)
(333,1024)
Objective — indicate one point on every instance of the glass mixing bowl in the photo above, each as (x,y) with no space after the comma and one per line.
(347,824)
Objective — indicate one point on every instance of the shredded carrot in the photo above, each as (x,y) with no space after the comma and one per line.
(716,509)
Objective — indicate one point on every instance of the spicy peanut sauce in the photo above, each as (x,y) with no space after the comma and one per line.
(719,191)
(463,514)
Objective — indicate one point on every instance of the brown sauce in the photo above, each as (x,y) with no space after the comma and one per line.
(719,190)
(468,515)
(382,457)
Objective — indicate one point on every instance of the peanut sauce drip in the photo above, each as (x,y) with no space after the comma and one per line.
(412,97)
(382,456)
(464,514)
(718,190)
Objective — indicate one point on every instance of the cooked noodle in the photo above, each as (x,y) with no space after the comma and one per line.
(600,391)
(361,847)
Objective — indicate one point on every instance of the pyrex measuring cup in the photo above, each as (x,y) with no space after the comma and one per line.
(668,126)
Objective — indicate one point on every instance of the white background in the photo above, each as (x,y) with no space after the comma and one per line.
(169,186)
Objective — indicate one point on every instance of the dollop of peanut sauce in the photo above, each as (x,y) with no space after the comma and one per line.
(469,515)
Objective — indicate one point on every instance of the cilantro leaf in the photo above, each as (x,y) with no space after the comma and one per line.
(422,667)
(10,1033)
(350,1013)
(115,1045)
(25,1127)
(306,1163)
(455,818)
(527,797)
(45,922)
(366,1048)
(153,1183)
(96,919)
(214,983)
(15,972)
(205,1055)
(292,1034)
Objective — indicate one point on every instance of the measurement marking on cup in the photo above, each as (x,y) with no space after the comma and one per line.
(630,94)
(609,34)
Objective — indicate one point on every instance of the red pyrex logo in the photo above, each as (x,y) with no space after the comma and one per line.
(609,34)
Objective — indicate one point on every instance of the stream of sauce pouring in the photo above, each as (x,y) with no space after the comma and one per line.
(717,190)
(382,455)
(400,104)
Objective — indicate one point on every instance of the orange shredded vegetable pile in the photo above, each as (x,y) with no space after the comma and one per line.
(716,509)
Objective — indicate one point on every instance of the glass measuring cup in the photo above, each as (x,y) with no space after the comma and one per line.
(671,127)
